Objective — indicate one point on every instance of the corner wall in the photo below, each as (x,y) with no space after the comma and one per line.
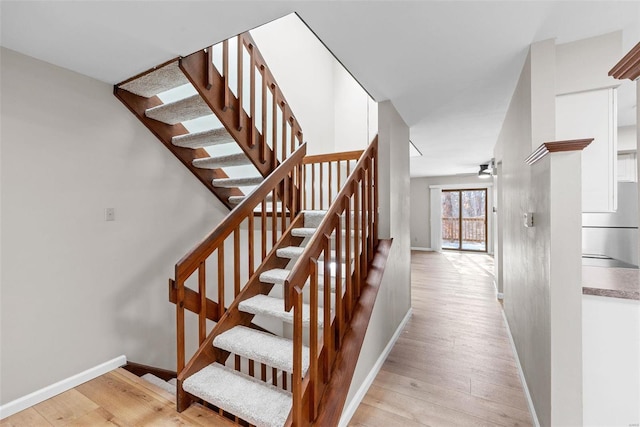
(77,291)
(394,297)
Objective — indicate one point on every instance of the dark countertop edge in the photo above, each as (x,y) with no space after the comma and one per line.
(611,293)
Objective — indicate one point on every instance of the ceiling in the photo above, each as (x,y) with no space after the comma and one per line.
(450,68)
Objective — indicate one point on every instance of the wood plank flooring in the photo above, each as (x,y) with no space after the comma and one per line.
(117,398)
(453,364)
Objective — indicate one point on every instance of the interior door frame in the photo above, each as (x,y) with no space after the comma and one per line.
(486,219)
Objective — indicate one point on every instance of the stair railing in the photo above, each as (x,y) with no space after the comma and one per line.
(272,205)
(325,175)
(345,239)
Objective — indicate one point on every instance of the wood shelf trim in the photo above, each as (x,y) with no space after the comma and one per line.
(555,147)
(629,66)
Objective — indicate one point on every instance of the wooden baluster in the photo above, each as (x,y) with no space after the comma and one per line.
(236,261)
(321,186)
(339,172)
(274,125)
(313,186)
(348,167)
(274,218)
(363,211)
(326,309)
(179,284)
(263,228)
(293,134)
(252,368)
(263,140)
(347,253)
(202,312)
(221,303)
(283,106)
(252,95)
(376,201)
(283,206)
(209,70)
(313,339)
(250,234)
(240,82)
(263,372)
(330,184)
(238,362)
(225,70)
(284,380)
(274,376)
(338,290)
(297,357)
(356,240)
(370,211)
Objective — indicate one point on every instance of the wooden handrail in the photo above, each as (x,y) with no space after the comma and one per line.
(297,274)
(333,157)
(282,182)
(358,199)
(190,262)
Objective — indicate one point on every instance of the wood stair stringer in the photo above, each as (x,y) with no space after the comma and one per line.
(207,353)
(164,132)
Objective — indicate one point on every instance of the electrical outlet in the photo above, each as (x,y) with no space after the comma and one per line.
(528,219)
(109,214)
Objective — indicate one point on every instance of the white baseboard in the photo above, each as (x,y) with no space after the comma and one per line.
(532,409)
(348,412)
(499,295)
(49,391)
(418,248)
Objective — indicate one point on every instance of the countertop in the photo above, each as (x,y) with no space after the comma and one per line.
(609,280)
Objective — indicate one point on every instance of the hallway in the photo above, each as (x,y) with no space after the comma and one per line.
(453,364)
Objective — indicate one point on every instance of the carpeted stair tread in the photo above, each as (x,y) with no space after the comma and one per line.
(179,111)
(234,200)
(293,252)
(202,139)
(309,232)
(157,81)
(254,401)
(276,276)
(274,307)
(237,182)
(171,388)
(235,159)
(312,219)
(262,347)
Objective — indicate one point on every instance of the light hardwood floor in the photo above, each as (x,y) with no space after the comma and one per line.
(117,398)
(453,364)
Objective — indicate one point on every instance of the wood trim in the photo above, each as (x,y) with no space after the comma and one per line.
(139,370)
(193,68)
(629,66)
(333,157)
(192,302)
(555,147)
(335,395)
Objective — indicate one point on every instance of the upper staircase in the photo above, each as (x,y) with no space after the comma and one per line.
(280,322)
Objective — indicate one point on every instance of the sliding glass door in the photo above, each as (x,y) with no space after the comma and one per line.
(464,220)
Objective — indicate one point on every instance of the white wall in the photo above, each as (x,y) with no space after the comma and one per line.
(76,290)
(421,205)
(335,113)
(627,140)
(611,351)
(394,297)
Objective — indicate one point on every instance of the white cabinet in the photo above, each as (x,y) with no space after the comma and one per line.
(593,114)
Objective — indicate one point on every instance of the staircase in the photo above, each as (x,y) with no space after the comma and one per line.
(290,261)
